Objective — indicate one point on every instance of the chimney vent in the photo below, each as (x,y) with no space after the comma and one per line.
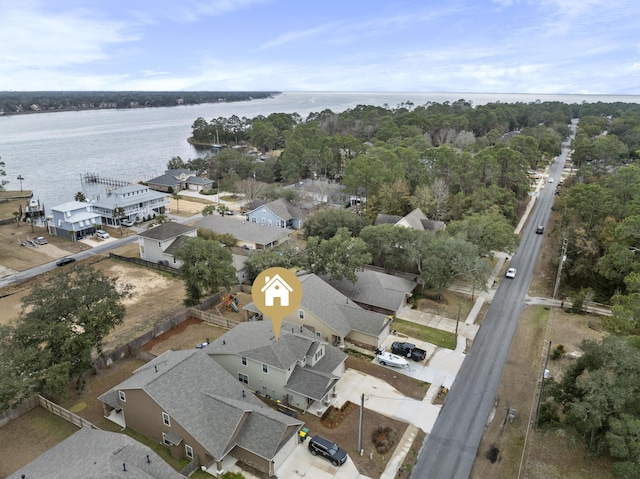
(156,368)
(148,460)
(124,466)
(224,341)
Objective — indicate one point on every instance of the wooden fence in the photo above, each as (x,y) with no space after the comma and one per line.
(214,319)
(22,408)
(64,413)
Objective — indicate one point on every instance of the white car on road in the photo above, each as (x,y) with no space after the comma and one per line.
(511,273)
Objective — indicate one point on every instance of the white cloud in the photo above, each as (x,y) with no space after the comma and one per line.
(32,38)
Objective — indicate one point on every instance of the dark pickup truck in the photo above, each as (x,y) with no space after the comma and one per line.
(408,350)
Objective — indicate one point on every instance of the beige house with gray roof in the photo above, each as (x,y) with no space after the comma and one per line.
(252,236)
(334,317)
(299,369)
(188,402)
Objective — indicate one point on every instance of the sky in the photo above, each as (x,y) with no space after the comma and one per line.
(483,46)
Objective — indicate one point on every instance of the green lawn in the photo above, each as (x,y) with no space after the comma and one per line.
(438,337)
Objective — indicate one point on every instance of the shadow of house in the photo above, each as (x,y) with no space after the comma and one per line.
(186,401)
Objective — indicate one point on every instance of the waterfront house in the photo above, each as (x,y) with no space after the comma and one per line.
(73,220)
(334,317)
(299,369)
(98,454)
(138,203)
(189,403)
(174,181)
(250,236)
(159,244)
(280,213)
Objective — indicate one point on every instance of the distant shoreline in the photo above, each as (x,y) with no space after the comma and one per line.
(28,103)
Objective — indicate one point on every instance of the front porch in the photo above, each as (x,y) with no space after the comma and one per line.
(117,416)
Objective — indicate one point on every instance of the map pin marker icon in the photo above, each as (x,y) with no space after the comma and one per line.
(276,292)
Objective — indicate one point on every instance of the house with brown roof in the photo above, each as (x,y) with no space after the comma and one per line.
(186,401)
(299,369)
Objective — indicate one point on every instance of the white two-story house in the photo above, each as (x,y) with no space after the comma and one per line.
(138,203)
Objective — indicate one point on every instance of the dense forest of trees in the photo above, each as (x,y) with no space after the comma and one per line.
(12,103)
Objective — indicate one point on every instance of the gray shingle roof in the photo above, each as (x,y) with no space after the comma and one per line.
(336,310)
(92,453)
(244,230)
(256,340)
(383,219)
(414,219)
(167,230)
(376,289)
(282,208)
(196,392)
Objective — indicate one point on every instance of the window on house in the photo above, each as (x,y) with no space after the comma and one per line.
(301,313)
(278,223)
(265,368)
(123,396)
(165,419)
(319,334)
(188,450)
(264,212)
(243,378)
(244,361)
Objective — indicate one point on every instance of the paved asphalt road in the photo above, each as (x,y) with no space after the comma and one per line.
(30,273)
(451,448)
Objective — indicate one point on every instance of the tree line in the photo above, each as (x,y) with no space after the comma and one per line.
(12,103)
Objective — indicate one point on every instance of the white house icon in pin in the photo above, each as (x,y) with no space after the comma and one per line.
(276,287)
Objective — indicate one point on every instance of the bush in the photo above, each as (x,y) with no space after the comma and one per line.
(384,439)
(558,352)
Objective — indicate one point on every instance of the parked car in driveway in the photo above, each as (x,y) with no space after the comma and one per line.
(63,261)
(408,350)
(511,273)
(319,446)
(102,234)
(126,222)
(41,240)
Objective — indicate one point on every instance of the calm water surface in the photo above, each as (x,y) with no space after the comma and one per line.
(52,150)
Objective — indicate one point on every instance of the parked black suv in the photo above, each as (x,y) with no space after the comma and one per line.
(408,350)
(325,448)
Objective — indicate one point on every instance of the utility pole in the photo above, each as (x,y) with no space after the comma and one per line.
(458,319)
(20,178)
(563,258)
(360,428)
